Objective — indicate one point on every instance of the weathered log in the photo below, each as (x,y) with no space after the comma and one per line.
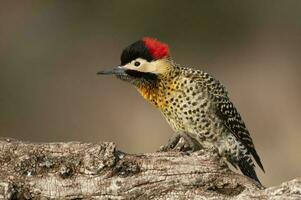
(76,170)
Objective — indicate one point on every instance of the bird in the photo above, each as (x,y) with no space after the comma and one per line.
(191,100)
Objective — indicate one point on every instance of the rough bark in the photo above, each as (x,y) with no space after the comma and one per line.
(76,170)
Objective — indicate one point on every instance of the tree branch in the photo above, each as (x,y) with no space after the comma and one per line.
(77,170)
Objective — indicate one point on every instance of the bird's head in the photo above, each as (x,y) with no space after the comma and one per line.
(142,62)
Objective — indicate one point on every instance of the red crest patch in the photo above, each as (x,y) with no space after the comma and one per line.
(156,48)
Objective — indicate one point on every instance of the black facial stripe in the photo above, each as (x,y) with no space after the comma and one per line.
(146,75)
(135,50)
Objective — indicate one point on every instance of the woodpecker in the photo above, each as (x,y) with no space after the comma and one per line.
(191,100)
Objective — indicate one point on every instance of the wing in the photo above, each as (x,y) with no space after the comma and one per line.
(226,111)
(232,119)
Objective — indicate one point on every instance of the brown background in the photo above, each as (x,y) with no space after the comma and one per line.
(50,52)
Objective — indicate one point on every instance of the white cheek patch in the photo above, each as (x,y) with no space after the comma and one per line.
(148,67)
(156,67)
(132,66)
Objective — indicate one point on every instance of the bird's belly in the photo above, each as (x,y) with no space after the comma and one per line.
(204,126)
(193,114)
(174,122)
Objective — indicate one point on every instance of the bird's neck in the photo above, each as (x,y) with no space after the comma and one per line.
(157,91)
(150,93)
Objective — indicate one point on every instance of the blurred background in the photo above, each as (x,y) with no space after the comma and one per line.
(50,52)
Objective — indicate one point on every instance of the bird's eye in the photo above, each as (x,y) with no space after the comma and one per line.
(137,63)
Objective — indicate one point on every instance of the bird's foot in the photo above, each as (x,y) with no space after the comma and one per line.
(181,142)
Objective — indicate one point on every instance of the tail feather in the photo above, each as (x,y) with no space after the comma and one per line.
(247,167)
(257,158)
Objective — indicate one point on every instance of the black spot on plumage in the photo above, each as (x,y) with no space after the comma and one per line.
(134,51)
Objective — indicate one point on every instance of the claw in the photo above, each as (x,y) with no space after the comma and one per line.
(181,142)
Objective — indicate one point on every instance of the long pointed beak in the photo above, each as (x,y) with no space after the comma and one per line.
(119,70)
